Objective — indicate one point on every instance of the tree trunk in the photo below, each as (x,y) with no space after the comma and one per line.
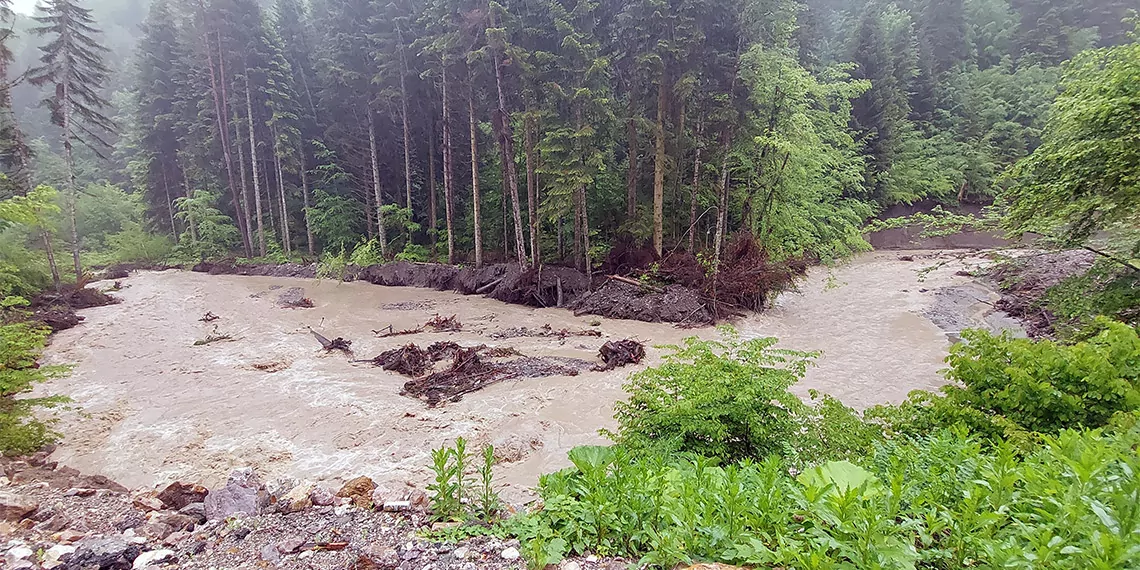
(50,252)
(72,189)
(680,138)
(584,212)
(380,232)
(305,197)
(722,201)
(221,110)
(659,171)
(246,197)
(433,221)
(475,172)
(530,130)
(695,188)
(169,201)
(507,148)
(189,212)
(506,211)
(286,238)
(253,165)
(631,174)
(449,177)
(407,129)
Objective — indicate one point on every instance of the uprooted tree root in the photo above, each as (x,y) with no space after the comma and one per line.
(616,353)
(337,343)
(213,337)
(411,360)
(468,373)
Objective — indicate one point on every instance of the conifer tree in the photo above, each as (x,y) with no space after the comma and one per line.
(73,71)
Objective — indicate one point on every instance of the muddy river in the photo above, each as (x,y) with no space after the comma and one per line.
(151,407)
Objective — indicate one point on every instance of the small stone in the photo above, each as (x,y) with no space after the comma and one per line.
(153,557)
(70,535)
(176,537)
(269,553)
(241,532)
(13,507)
(571,565)
(176,521)
(290,545)
(510,554)
(296,500)
(52,555)
(147,503)
(155,530)
(4,482)
(306,554)
(177,495)
(54,524)
(18,553)
(360,486)
(469,566)
(80,492)
(591,559)
(460,552)
(321,496)
(196,510)
(110,552)
(410,555)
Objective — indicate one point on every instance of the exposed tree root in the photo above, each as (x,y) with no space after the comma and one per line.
(617,353)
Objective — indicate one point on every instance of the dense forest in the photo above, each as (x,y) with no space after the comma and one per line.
(536,131)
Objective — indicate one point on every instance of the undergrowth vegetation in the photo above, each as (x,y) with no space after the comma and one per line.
(1027,461)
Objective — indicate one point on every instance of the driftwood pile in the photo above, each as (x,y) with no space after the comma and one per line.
(436,324)
(617,353)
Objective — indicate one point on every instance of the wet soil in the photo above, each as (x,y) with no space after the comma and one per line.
(1024,280)
(153,408)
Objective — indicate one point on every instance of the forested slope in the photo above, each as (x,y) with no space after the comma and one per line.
(548,130)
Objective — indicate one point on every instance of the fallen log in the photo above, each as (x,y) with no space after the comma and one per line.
(636,283)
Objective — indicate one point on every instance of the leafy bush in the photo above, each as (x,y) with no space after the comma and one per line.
(414,252)
(20,348)
(366,253)
(1008,386)
(135,244)
(332,266)
(453,497)
(937,502)
(729,399)
(1106,289)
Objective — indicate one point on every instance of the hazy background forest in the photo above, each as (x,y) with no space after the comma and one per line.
(371,130)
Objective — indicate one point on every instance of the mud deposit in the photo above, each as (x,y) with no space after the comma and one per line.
(155,408)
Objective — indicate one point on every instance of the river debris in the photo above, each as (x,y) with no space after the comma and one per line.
(468,373)
(337,343)
(617,353)
(411,360)
(215,336)
(435,324)
(294,298)
(408,306)
(543,331)
(271,365)
(209,317)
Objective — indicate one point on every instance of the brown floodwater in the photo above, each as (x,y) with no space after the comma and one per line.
(150,407)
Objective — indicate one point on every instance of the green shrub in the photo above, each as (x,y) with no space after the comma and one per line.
(20,347)
(729,399)
(1106,289)
(1007,387)
(366,253)
(936,502)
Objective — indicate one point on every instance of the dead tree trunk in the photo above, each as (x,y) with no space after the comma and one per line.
(433,221)
(449,175)
(507,148)
(286,238)
(722,199)
(407,129)
(305,196)
(530,128)
(631,173)
(380,232)
(659,171)
(475,198)
(695,188)
(253,163)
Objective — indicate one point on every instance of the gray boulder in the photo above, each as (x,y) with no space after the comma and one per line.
(243,494)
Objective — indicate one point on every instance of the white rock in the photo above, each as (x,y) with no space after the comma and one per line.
(591,558)
(17,554)
(305,554)
(511,553)
(53,554)
(4,482)
(460,552)
(571,565)
(153,557)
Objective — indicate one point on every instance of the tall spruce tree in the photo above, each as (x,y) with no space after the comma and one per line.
(73,70)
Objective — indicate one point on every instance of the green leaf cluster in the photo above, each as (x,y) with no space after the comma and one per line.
(20,347)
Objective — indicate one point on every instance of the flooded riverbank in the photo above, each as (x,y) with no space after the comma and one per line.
(153,407)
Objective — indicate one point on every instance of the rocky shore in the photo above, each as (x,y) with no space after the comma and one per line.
(53,517)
